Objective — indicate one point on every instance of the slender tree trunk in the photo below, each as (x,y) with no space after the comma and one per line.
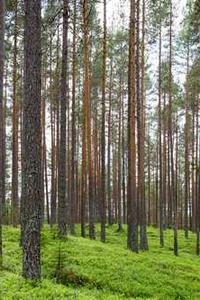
(53,126)
(124,166)
(73,150)
(164,186)
(160,134)
(193,163)
(44,163)
(171,140)
(15,197)
(62,160)
(143,230)
(149,179)
(86,145)
(187,168)
(132,238)
(138,106)
(103,140)
(109,200)
(119,157)
(157,183)
(54,141)
(96,151)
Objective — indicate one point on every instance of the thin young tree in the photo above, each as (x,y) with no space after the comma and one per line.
(103,139)
(187,165)
(160,130)
(109,200)
(171,136)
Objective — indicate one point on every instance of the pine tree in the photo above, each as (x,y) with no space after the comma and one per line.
(62,161)
(15,199)
(31,142)
(132,201)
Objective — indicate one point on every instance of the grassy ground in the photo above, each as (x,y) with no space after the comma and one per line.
(94,271)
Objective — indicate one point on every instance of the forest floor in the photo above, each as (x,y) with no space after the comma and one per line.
(77,268)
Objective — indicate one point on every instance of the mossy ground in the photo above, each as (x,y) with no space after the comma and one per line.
(94,271)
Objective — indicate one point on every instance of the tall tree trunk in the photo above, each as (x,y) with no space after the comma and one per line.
(86,144)
(193,168)
(109,200)
(160,133)
(15,118)
(54,140)
(120,156)
(143,231)
(31,150)
(88,122)
(103,140)
(131,189)
(52,126)
(62,161)
(187,167)
(124,166)
(164,186)
(138,105)
(73,149)
(173,190)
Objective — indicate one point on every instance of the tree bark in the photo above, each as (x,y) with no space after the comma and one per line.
(103,140)
(15,120)
(31,150)
(62,161)
(132,238)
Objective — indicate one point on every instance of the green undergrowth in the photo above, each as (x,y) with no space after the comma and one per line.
(78,268)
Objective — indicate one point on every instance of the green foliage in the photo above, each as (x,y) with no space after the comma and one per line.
(158,14)
(92,270)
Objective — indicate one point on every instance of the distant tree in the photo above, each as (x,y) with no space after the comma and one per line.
(103,140)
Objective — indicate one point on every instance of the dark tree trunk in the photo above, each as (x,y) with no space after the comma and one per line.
(31,143)
(15,198)
(62,161)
